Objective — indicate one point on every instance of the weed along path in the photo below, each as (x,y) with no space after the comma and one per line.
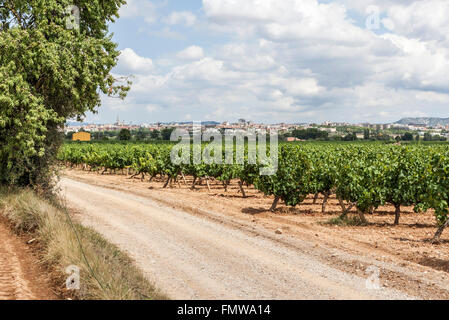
(190,256)
(20,276)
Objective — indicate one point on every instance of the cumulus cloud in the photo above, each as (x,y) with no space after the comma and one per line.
(286,20)
(300,60)
(424,20)
(191,53)
(131,62)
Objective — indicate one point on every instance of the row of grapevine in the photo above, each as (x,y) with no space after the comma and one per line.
(363,176)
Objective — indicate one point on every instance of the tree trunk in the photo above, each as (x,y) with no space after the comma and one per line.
(225,186)
(343,208)
(275,204)
(134,175)
(397,214)
(167,182)
(193,183)
(315,198)
(439,232)
(326,197)
(241,189)
(362,216)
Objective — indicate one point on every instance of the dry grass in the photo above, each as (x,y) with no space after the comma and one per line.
(106,273)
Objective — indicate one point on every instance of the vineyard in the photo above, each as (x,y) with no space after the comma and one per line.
(363,177)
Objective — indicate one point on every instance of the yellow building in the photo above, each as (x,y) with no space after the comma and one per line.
(81,136)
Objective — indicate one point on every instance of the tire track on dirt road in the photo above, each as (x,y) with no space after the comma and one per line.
(191,257)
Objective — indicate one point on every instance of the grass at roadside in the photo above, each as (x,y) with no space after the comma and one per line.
(105,272)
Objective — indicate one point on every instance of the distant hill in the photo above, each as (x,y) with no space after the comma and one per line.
(430,122)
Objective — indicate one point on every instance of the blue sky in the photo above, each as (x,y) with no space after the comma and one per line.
(281,61)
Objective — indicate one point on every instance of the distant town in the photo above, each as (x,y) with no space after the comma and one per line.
(406,129)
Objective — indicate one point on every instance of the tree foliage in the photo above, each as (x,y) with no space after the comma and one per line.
(363,176)
(309,134)
(124,135)
(50,73)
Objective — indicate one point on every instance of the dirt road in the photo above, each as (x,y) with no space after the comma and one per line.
(194,257)
(20,277)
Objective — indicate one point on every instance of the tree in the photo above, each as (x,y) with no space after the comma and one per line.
(310,133)
(427,136)
(155,135)
(383,137)
(124,135)
(403,179)
(141,134)
(290,183)
(69,135)
(438,138)
(50,71)
(350,137)
(366,134)
(166,133)
(336,138)
(407,136)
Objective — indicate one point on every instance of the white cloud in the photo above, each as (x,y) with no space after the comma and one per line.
(139,8)
(191,53)
(245,57)
(286,20)
(300,60)
(298,87)
(186,18)
(421,65)
(425,20)
(131,62)
(207,69)
(430,96)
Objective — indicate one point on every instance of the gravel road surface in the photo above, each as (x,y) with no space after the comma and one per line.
(193,257)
